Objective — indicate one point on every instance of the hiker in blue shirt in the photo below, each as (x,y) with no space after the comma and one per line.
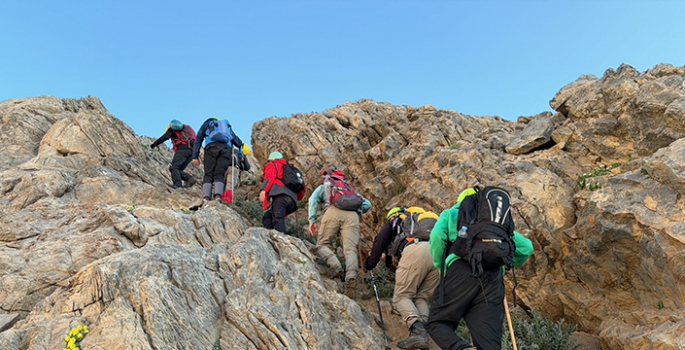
(219,140)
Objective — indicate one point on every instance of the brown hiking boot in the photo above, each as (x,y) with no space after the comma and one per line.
(350,286)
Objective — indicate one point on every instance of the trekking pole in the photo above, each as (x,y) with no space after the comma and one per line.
(380,313)
(232,170)
(511,327)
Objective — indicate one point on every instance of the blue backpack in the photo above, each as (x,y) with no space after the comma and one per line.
(219,131)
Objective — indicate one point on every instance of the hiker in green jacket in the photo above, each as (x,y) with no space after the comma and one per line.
(480,301)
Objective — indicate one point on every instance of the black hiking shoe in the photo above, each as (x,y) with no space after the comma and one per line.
(190,182)
(418,338)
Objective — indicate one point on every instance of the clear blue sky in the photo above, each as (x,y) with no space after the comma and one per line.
(153,61)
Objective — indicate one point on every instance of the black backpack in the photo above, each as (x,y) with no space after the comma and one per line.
(292,178)
(489,238)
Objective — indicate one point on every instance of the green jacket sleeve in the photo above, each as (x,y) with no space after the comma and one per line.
(524,249)
(439,238)
(314,201)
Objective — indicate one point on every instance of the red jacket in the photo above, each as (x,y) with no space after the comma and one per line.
(273,172)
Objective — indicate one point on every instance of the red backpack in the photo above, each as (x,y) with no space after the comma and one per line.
(342,194)
(185,136)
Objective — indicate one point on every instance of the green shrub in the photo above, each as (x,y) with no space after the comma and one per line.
(253,210)
(297,226)
(385,282)
(539,334)
(601,171)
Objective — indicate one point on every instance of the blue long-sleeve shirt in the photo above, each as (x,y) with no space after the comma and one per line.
(202,133)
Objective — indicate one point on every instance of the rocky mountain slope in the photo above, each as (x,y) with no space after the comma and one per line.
(597,186)
(90,233)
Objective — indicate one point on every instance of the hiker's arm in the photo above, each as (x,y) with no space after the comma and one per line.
(438,238)
(269,176)
(366,205)
(314,200)
(199,137)
(524,249)
(167,135)
(380,243)
(236,140)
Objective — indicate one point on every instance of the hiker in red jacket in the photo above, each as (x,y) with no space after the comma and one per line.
(283,200)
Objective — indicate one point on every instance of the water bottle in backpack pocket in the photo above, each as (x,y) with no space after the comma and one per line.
(488,227)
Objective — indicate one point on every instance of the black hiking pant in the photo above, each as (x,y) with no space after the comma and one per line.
(181,159)
(217,161)
(274,217)
(480,301)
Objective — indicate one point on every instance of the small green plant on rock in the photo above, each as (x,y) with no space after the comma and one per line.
(584,182)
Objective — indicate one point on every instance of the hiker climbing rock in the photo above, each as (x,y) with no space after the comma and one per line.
(472,284)
(182,139)
(342,207)
(281,190)
(219,140)
(404,240)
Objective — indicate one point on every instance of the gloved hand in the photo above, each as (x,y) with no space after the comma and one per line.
(152,146)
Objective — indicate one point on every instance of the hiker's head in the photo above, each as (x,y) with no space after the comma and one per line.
(176,125)
(275,155)
(394,212)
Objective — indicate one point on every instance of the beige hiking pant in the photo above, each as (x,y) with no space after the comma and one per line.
(346,223)
(415,281)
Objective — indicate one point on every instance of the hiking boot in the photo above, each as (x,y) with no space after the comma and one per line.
(418,338)
(335,273)
(350,286)
(190,182)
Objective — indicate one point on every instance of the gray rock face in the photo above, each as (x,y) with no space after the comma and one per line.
(608,259)
(90,234)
